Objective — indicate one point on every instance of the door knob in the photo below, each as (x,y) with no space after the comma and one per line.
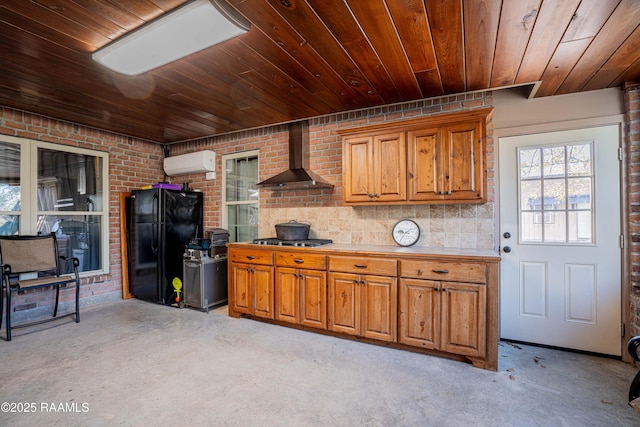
(507,249)
(506,235)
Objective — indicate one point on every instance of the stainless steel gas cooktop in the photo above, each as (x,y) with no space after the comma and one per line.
(278,242)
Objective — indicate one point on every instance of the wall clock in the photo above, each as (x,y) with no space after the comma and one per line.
(406,232)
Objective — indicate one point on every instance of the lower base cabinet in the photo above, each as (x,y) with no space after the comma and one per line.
(253,289)
(301,297)
(445,316)
(363,305)
(440,304)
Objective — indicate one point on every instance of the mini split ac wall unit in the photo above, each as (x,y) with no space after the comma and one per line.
(200,161)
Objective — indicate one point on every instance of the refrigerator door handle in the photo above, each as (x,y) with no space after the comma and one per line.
(154,229)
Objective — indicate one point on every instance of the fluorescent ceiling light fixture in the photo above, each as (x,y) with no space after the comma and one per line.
(186,30)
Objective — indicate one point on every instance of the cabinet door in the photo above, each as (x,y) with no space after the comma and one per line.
(344,295)
(419,313)
(425,162)
(390,168)
(379,307)
(313,298)
(241,287)
(287,295)
(463,175)
(357,168)
(262,287)
(463,317)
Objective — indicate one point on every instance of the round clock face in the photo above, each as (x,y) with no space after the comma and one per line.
(406,232)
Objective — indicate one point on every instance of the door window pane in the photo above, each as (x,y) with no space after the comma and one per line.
(529,164)
(580,227)
(579,160)
(531,226)
(556,205)
(555,226)
(553,161)
(531,195)
(579,193)
(554,194)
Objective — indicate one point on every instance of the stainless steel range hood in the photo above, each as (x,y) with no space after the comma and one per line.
(296,177)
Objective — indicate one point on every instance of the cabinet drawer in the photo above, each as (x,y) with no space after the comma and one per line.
(473,272)
(361,265)
(296,259)
(251,256)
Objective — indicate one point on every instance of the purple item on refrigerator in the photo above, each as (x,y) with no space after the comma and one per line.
(167,186)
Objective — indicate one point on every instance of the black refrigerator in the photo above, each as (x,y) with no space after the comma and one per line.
(162,222)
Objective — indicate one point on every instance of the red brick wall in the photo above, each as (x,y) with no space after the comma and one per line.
(132,163)
(325,152)
(632,108)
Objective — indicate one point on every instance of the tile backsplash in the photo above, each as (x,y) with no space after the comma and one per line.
(446,226)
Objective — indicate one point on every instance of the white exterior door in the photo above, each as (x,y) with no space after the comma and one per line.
(560,239)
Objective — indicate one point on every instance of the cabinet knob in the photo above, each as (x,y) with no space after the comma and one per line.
(298,261)
(359,266)
(441,271)
(250,257)
(444,289)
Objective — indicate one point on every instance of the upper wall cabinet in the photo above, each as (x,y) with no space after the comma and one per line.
(377,166)
(439,159)
(446,163)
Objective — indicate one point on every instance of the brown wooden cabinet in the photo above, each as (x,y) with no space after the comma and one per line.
(363,304)
(439,313)
(301,289)
(463,318)
(438,159)
(442,303)
(251,283)
(446,163)
(376,168)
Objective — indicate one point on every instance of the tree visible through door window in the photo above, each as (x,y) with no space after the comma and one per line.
(556,194)
(240,208)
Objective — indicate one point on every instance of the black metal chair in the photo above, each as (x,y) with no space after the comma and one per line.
(633,347)
(38,255)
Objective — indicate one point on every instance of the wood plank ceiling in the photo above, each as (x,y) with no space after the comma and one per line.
(304,58)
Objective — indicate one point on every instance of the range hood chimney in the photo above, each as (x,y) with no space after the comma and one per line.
(296,177)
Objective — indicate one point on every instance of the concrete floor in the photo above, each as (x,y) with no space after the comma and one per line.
(133,363)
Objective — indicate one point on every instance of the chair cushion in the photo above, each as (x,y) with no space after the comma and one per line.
(24,255)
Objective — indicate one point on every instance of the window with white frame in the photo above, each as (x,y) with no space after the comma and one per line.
(49,188)
(556,186)
(240,196)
